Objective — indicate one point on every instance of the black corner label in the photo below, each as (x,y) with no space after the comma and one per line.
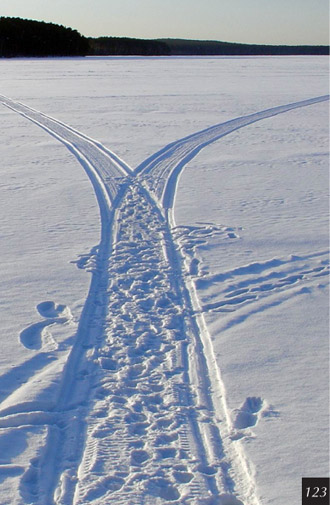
(315,491)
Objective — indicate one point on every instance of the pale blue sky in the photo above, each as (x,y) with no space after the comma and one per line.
(250,21)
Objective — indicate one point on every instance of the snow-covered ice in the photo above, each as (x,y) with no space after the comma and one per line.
(164,317)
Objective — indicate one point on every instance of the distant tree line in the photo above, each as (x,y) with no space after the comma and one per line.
(126,46)
(204,47)
(20,37)
(25,38)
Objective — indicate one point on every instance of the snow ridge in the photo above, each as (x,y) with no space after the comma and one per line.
(135,418)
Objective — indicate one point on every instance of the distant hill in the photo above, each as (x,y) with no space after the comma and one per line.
(181,47)
(205,47)
(125,46)
(21,37)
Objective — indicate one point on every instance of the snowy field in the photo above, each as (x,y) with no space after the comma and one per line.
(164,317)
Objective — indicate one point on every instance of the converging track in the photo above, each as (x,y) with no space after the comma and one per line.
(141,414)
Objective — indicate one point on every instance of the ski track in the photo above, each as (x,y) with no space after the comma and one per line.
(135,421)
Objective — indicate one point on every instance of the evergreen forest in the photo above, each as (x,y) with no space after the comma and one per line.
(27,38)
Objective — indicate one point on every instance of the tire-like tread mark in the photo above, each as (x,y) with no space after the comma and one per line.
(109,177)
(98,161)
(162,169)
(65,436)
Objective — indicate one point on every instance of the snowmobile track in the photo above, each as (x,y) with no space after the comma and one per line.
(135,420)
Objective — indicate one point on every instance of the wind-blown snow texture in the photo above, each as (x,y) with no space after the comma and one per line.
(163,383)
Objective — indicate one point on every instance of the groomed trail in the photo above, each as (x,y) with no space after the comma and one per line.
(141,415)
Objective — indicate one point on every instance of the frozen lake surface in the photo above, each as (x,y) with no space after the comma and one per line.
(164,280)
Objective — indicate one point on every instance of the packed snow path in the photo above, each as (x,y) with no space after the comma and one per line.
(135,420)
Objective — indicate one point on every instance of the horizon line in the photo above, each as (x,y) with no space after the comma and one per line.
(166,38)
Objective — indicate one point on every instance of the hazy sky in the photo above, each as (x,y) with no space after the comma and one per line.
(251,21)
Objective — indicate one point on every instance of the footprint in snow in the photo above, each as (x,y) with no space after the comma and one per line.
(53,310)
(248,414)
(37,335)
